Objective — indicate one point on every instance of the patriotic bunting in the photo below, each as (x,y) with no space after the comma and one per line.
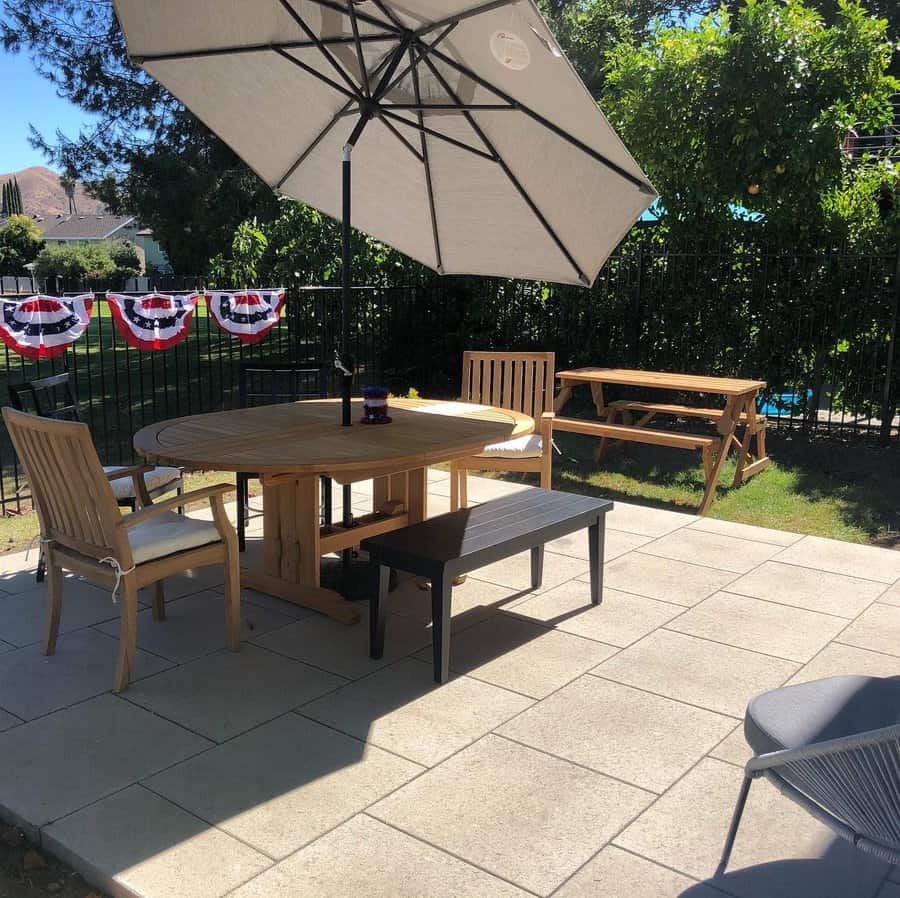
(42,327)
(247,315)
(155,321)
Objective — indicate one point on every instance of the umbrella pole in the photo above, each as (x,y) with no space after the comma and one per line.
(345,363)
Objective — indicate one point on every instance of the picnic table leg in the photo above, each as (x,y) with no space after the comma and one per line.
(756,430)
(562,397)
(726,427)
(441,589)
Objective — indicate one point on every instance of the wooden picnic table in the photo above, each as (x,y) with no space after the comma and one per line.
(291,445)
(739,411)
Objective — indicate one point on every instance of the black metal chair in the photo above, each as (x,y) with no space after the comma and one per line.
(54,397)
(268,383)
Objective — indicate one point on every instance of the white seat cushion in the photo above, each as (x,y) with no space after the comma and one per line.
(167,533)
(123,487)
(529,446)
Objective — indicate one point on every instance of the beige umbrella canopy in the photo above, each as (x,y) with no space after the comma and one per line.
(478,150)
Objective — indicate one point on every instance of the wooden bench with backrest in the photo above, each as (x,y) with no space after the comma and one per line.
(519,381)
(461,541)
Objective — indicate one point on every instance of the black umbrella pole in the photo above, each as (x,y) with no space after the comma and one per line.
(347,364)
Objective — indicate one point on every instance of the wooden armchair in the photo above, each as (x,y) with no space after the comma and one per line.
(521,382)
(83,530)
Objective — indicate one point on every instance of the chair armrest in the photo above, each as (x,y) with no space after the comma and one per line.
(136,473)
(546,425)
(208,492)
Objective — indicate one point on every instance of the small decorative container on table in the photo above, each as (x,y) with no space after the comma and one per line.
(375,406)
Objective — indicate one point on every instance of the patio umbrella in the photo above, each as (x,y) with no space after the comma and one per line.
(478,150)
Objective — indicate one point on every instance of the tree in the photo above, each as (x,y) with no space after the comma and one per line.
(751,110)
(68,183)
(11,203)
(20,242)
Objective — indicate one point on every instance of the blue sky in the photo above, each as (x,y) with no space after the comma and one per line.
(27,98)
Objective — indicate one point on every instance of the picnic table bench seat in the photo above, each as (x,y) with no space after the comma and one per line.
(449,545)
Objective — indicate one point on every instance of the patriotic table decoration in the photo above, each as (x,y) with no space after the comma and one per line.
(154,321)
(43,327)
(248,315)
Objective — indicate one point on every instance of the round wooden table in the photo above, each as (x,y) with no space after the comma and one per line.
(291,445)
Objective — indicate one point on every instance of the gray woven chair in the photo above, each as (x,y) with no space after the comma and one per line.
(832,746)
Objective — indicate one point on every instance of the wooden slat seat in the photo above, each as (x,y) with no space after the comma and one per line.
(451,544)
(638,434)
(682,411)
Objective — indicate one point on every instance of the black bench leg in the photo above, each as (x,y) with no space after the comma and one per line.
(440,625)
(378,612)
(537,566)
(595,552)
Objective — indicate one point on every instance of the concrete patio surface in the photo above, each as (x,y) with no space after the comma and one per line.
(577,751)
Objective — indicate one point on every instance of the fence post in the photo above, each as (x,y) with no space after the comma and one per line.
(636,323)
(887,403)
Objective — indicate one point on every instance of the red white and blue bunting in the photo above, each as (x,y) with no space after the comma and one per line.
(155,321)
(42,327)
(248,315)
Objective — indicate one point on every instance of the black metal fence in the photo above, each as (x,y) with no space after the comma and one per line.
(819,327)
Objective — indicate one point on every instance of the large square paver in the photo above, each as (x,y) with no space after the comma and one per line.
(23,616)
(518,654)
(632,735)
(714,676)
(8,721)
(807,588)
(136,843)
(402,709)
(365,857)
(746,531)
(726,553)
(733,748)
(665,579)
(62,762)
(615,543)
(195,626)
(767,627)
(646,521)
(515,572)
(284,784)
(480,489)
(33,684)
(620,619)
(614,873)
(344,650)
(224,694)
(877,628)
(187,583)
(780,852)
(513,811)
(891,596)
(250,597)
(18,578)
(838,660)
(852,559)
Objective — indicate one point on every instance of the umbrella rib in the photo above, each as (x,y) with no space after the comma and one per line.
(427,163)
(401,138)
(424,129)
(256,48)
(512,178)
(316,74)
(451,107)
(394,18)
(422,53)
(354,87)
(362,16)
(465,14)
(359,50)
(550,126)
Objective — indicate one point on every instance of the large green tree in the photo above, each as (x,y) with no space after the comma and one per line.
(751,110)
(20,243)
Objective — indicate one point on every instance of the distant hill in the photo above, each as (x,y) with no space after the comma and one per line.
(45,200)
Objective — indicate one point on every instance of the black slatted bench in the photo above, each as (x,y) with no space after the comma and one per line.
(453,544)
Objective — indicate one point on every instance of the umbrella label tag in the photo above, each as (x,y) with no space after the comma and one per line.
(510,50)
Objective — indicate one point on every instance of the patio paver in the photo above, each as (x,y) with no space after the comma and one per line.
(288,782)
(60,763)
(633,735)
(677,582)
(366,857)
(767,627)
(708,674)
(516,812)
(142,844)
(402,709)
(578,750)
(226,693)
(807,588)
(33,684)
(780,852)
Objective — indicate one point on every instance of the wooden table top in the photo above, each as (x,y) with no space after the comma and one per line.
(307,437)
(663,380)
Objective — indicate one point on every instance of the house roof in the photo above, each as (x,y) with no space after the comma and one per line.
(87,227)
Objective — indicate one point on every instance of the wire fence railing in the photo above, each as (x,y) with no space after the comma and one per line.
(819,327)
